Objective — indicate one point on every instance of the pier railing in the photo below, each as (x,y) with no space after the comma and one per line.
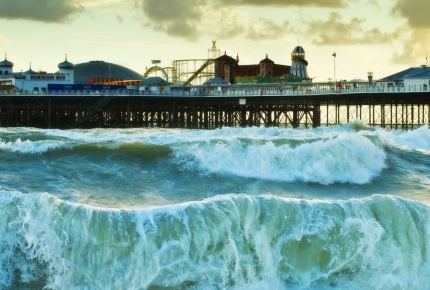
(239,90)
(216,106)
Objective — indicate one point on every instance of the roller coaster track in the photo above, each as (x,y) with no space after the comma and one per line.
(197,72)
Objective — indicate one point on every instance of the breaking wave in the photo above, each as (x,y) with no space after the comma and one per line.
(232,242)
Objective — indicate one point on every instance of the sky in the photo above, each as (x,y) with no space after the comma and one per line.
(378,36)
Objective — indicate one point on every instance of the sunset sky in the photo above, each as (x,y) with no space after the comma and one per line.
(382,36)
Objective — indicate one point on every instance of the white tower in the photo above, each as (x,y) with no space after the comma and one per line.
(299,64)
(6,68)
(67,68)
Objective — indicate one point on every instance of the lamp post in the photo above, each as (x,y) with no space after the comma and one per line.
(334,66)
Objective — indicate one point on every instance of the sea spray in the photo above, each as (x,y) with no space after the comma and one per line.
(348,158)
(231,241)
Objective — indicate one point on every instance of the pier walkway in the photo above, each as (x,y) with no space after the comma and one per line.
(208,107)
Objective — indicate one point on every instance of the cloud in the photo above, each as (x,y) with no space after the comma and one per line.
(415,11)
(415,48)
(283,3)
(40,10)
(176,18)
(268,29)
(335,32)
(189,19)
(231,23)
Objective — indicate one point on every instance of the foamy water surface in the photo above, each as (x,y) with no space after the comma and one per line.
(342,207)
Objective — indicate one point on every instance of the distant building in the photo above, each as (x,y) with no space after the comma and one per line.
(38,81)
(7,81)
(414,78)
(70,77)
(155,85)
(6,68)
(228,68)
(103,72)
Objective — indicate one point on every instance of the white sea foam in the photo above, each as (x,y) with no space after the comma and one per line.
(160,136)
(417,139)
(231,242)
(30,147)
(347,158)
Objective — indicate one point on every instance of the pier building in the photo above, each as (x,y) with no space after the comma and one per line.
(229,69)
(70,77)
(7,81)
(6,70)
(102,72)
(414,78)
(38,81)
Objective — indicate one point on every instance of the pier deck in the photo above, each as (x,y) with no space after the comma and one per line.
(246,106)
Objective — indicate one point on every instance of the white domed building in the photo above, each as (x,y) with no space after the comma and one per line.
(6,70)
(38,81)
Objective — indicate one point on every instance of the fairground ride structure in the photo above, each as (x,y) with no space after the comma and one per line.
(187,71)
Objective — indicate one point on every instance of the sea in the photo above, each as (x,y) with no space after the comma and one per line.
(337,207)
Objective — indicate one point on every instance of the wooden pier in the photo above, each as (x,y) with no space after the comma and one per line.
(395,110)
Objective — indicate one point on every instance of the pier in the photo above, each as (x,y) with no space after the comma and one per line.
(210,107)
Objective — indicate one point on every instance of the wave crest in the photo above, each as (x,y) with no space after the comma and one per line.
(227,241)
(349,158)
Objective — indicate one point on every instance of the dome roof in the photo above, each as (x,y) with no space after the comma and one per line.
(215,81)
(154,81)
(30,72)
(66,65)
(101,69)
(298,49)
(6,63)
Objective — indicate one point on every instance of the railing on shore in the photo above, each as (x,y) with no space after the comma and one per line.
(239,90)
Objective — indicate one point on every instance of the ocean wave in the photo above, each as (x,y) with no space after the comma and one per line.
(232,242)
(32,147)
(162,136)
(136,148)
(348,158)
(418,139)
(159,136)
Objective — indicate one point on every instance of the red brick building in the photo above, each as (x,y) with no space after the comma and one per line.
(227,68)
